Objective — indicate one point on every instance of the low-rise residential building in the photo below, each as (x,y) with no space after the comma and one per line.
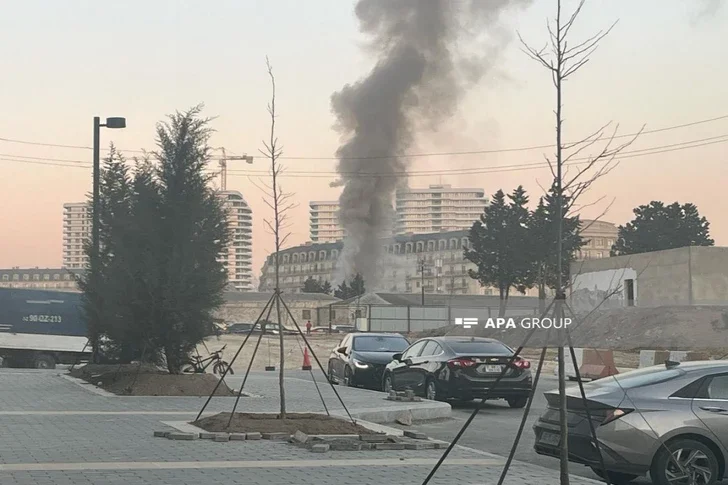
(599,237)
(441,255)
(39,278)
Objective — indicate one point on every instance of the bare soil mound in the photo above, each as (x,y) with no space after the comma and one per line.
(148,380)
(308,423)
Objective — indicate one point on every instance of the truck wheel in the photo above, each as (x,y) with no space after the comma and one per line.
(44,361)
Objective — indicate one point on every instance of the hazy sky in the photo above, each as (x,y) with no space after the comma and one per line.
(64,62)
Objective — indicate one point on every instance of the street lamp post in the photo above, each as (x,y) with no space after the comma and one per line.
(95,237)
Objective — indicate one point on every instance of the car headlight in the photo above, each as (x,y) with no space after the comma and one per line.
(361,365)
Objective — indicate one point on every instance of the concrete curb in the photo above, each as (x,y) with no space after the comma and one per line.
(87,386)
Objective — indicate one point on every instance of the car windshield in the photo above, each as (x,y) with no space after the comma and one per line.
(380,344)
(636,378)
(475,347)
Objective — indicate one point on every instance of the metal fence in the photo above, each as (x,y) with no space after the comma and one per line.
(408,318)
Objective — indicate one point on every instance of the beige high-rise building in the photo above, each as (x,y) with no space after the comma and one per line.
(237,258)
(599,237)
(324,221)
(439,208)
(76,232)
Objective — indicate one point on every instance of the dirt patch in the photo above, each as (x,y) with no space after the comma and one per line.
(270,423)
(148,380)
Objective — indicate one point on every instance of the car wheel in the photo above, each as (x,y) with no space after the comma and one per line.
(348,377)
(615,478)
(517,402)
(387,385)
(44,361)
(697,464)
(431,391)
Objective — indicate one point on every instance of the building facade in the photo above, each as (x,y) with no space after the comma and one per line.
(439,208)
(76,232)
(238,257)
(674,277)
(403,258)
(39,278)
(324,222)
(599,237)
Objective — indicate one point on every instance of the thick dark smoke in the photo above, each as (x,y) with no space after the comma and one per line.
(421,75)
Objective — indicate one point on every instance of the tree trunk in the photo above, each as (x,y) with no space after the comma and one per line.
(503,301)
(174,362)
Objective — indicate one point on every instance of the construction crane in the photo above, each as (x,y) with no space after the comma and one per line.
(223,166)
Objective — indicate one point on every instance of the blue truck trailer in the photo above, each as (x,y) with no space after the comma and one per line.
(40,329)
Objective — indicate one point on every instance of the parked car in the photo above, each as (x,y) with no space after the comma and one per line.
(685,415)
(462,368)
(238,328)
(360,358)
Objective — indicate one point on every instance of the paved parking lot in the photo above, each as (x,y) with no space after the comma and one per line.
(57,432)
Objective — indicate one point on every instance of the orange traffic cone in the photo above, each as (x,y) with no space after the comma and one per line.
(306,360)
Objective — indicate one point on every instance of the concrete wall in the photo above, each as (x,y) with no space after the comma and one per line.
(661,277)
(684,276)
(248,312)
(709,272)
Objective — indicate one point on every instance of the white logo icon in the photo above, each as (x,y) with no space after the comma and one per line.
(467,322)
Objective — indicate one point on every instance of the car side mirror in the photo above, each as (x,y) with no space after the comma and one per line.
(397,357)
(341,350)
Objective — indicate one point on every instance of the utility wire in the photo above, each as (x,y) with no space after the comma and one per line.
(411,155)
(464,171)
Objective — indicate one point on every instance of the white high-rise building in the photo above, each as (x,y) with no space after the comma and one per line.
(237,258)
(76,232)
(439,208)
(324,221)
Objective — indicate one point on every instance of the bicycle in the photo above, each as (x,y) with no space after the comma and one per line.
(198,365)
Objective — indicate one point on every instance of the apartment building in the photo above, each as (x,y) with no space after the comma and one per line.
(324,222)
(403,258)
(76,232)
(237,258)
(39,278)
(599,237)
(439,208)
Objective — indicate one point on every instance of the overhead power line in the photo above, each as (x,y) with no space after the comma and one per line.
(410,155)
(655,150)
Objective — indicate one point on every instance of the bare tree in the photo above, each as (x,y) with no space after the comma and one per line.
(563,59)
(279,201)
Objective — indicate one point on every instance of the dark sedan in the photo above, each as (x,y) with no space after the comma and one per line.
(462,368)
(360,358)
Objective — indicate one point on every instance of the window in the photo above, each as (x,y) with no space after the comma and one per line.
(414,351)
(432,348)
(471,346)
(306,314)
(380,343)
(718,388)
(6,277)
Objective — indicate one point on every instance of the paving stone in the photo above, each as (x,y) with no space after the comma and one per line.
(276,436)
(183,436)
(161,434)
(320,448)
(300,437)
(253,436)
(374,438)
(207,436)
(389,446)
(415,435)
(221,438)
(405,419)
(422,445)
(409,394)
(238,436)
